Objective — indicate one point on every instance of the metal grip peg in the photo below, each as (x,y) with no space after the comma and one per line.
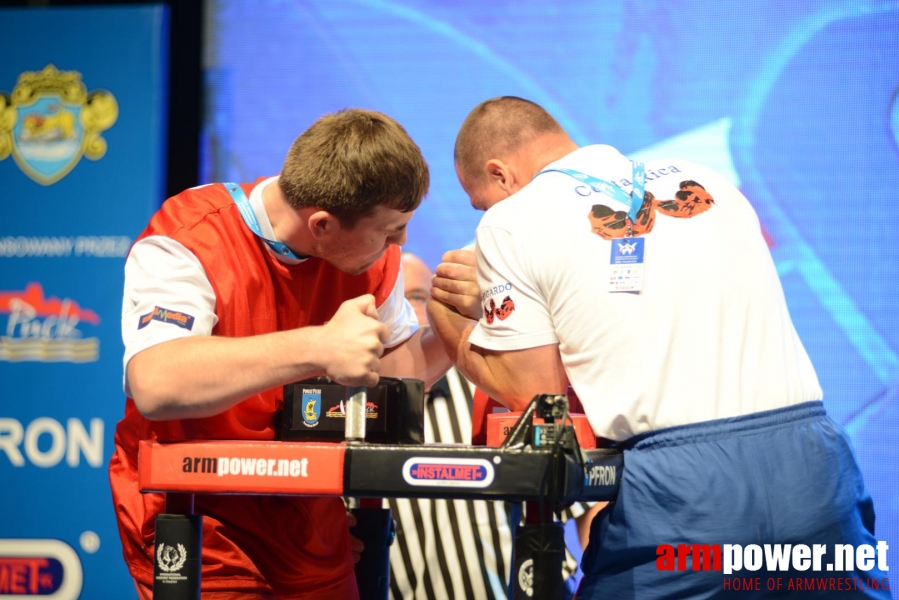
(355,414)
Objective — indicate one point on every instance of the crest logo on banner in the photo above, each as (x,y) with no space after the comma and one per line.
(45,329)
(50,120)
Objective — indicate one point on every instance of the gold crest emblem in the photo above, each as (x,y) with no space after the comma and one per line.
(50,121)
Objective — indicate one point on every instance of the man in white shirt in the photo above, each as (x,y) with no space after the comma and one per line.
(650,289)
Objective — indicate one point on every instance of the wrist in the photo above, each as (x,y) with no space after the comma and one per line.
(311,352)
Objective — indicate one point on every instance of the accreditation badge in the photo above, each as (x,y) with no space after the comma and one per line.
(626,265)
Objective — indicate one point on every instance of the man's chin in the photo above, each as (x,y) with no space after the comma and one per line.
(360,269)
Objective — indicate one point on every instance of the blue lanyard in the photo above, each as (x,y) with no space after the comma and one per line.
(249,217)
(633,201)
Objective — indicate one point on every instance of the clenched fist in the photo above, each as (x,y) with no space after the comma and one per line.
(354,343)
(456,283)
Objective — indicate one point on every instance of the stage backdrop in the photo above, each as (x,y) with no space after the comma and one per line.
(796,102)
(82,118)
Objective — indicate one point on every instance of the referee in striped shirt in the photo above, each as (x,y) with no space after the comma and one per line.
(450,549)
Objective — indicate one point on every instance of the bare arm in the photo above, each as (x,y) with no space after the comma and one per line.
(420,357)
(202,376)
(511,377)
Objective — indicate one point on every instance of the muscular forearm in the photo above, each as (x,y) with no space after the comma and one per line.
(202,376)
(453,312)
(420,357)
(512,378)
(453,330)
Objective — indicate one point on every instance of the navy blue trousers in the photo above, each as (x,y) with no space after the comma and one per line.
(786,476)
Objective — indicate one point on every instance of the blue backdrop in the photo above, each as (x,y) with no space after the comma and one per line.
(796,102)
(82,117)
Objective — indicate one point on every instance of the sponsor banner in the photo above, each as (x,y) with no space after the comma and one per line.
(338,411)
(448,472)
(242,467)
(81,165)
(459,471)
(79,246)
(44,568)
(50,121)
(46,442)
(42,329)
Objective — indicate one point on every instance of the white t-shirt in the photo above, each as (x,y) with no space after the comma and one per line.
(709,335)
(161,272)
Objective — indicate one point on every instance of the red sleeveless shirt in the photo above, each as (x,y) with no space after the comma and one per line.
(287,546)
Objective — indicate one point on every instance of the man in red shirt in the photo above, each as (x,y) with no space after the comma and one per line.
(233,291)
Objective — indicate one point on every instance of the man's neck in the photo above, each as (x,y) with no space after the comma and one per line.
(287,222)
(545,150)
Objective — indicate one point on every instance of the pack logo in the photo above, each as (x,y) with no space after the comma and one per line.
(50,120)
(164,315)
(43,329)
(169,558)
(338,411)
(448,472)
(312,407)
(45,568)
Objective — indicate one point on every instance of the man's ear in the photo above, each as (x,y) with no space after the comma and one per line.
(322,224)
(500,173)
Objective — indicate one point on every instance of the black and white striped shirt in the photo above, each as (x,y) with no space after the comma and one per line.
(451,549)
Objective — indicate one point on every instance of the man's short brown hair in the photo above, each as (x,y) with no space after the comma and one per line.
(497,128)
(352,161)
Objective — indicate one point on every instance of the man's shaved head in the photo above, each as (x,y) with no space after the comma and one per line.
(498,128)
